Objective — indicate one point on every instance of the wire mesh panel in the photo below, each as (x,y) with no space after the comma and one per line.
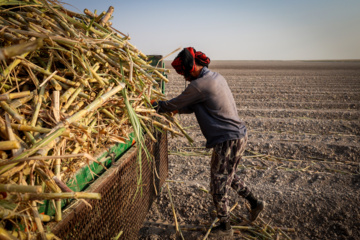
(123,206)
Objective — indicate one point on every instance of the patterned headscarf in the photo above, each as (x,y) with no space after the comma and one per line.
(185,61)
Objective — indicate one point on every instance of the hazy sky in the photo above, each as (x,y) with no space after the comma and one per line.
(237,29)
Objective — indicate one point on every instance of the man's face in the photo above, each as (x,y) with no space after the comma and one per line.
(189,76)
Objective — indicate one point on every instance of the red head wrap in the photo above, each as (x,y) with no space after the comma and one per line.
(185,61)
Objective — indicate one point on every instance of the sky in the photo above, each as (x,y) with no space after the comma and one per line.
(238,29)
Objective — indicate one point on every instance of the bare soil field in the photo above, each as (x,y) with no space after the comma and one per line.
(302,158)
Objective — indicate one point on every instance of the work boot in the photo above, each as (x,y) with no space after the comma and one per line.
(256,210)
(222,230)
(256,206)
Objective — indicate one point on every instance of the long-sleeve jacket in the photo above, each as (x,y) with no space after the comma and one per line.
(210,98)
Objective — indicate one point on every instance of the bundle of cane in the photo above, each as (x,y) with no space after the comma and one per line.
(70,86)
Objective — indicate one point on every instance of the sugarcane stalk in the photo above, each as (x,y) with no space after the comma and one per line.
(110,115)
(57,171)
(9,145)
(20,188)
(174,212)
(16,50)
(160,94)
(4,169)
(89,13)
(146,66)
(75,108)
(9,214)
(82,25)
(28,128)
(12,112)
(37,106)
(82,94)
(133,48)
(145,73)
(147,131)
(50,196)
(116,45)
(10,96)
(56,105)
(38,222)
(156,123)
(65,188)
(78,146)
(173,119)
(48,78)
(22,143)
(71,99)
(67,28)
(211,226)
(53,82)
(11,135)
(45,72)
(98,18)
(3,155)
(11,38)
(71,156)
(60,184)
(107,16)
(17,16)
(283,233)
(66,63)
(32,77)
(143,110)
(30,137)
(66,95)
(47,180)
(284,229)
(21,101)
(97,77)
(161,76)
(95,104)
(4,86)
(5,235)
(25,236)
(7,71)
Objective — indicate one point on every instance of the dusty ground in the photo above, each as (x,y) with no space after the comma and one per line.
(304,118)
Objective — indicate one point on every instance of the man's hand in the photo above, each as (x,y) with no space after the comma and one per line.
(155,105)
(174,112)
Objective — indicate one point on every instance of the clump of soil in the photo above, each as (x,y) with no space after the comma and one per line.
(302,158)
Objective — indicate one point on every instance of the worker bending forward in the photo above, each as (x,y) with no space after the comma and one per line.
(209,97)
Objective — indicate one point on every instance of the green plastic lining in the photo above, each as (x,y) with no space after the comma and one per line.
(88,174)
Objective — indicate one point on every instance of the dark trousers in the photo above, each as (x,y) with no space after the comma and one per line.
(225,159)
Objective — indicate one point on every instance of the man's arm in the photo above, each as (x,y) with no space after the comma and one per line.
(191,95)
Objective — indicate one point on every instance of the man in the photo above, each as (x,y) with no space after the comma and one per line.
(209,97)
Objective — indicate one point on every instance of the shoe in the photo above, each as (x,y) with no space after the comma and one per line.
(222,230)
(255,212)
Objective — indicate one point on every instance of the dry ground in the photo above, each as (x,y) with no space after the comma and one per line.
(303,117)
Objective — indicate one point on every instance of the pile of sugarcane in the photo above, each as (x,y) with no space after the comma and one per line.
(70,86)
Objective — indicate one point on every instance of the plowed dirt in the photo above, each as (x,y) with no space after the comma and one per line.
(302,158)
